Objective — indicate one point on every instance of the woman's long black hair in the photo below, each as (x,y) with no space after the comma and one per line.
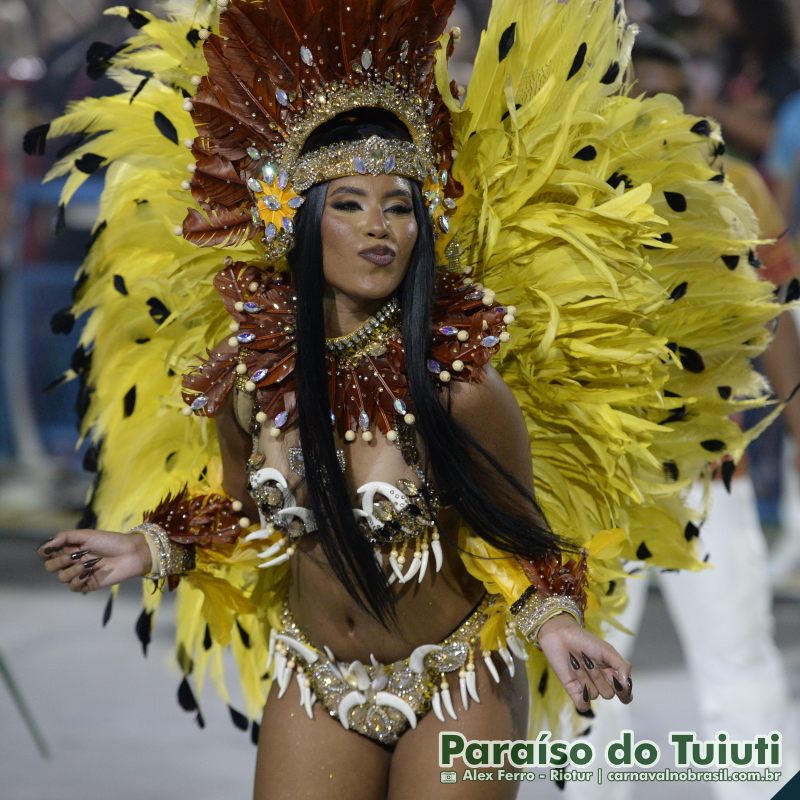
(456,461)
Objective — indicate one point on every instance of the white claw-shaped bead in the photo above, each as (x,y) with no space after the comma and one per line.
(423,567)
(413,569)
(396,568)
(349,701)
(261,476)
(472,685)
(309,656)
(379,558)
(447,702)
(508,658)
(261,533)
(303,686)
(381,682)
(393,701)
(436,704)
(311,698)
(436,546)
(462,686)
(274,548)
(416,661)
(280,663)
(374,661)
(398,500)
(487,659)
(359,672)
(275,561)
(284,679)
(329,653)
(304,514)
(516,646)
(271,651)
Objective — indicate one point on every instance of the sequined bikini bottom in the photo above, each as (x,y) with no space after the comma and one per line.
(379,700)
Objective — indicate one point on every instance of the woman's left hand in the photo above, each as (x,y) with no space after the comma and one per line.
(586,665)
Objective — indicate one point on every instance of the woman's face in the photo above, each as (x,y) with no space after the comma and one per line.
(368,234)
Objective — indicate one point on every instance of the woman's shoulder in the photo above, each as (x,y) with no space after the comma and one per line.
(484,403)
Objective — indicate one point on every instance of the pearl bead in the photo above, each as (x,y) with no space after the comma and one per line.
(244,522)
(234,326)
(203,34)
(188,143)
(250,387)
(261,418)
(238,305)
(458,365)
(253,285)
(185,185)
(511,309)
(350,436)
(236,505)
(188,105)
(509,319)
(178,230)
(367,436)
(444,376)
(241,369)
(233,341)
(504,336)
(274,432)
(191,167)
(392,436)
(462,336)
(196,80)
(186,411)
(409,419)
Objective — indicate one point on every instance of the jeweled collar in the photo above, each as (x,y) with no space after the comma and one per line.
(368,389)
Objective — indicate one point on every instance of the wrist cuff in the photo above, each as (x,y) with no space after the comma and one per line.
(166,557)
(530,612)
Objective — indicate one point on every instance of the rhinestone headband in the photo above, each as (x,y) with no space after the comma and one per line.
(373,156)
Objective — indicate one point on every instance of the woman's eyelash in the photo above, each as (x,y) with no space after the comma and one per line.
(351,205)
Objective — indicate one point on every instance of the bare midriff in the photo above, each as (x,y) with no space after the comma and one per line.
(427,610)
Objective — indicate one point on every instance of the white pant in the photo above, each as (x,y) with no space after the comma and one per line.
(724,620)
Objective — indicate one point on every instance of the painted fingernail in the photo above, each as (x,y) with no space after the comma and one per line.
(589,714)
(78,554)
(617,685)
(92,562)
(630,683)
(50,550)
(585,694)
(87,573)
(574,662)
(42,544)
(588,661)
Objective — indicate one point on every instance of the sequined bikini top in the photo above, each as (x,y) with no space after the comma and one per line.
(400,515)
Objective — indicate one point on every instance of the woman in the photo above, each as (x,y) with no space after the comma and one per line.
(364,380)
(376,243)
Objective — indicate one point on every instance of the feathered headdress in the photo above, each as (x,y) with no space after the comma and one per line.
(276,73)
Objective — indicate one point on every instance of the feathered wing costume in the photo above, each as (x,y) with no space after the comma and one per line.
(605,220)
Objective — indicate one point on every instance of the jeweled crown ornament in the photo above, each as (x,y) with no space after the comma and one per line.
(276,72)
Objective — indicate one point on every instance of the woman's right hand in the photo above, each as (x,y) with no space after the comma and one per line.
(87,560)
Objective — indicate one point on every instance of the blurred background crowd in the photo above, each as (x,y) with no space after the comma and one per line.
(737,61)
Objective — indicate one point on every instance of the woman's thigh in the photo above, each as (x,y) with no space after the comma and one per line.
(301,758)
(502,714)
